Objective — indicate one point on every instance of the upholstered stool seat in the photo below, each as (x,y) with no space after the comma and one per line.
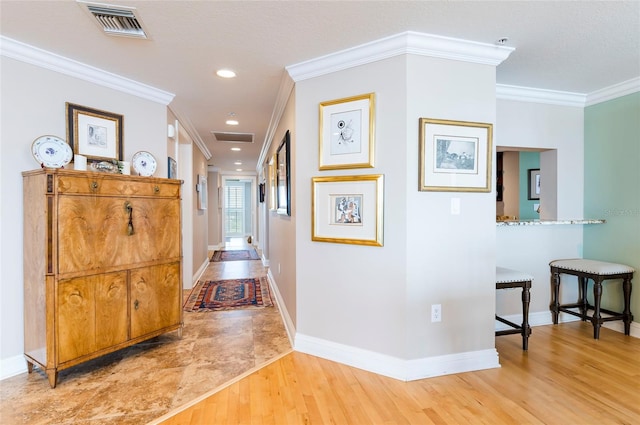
(508,278)
(599,272)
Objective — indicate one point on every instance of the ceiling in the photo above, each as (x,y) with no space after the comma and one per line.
(573,46)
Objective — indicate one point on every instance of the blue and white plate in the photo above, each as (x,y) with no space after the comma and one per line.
(51,151)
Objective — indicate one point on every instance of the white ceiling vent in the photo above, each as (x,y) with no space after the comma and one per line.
(116,20)
(228,137)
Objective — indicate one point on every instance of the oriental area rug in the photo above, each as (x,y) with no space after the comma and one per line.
(235,255)
(220,295)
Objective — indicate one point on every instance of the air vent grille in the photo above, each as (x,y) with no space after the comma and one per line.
(117,20)
(228,137)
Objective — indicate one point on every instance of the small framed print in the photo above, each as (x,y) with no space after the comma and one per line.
(347,133)
(172,167)
(534,184)
(455,156)
(93,133)
(348,209)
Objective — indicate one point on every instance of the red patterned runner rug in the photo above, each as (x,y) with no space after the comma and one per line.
(235,255)
(218,295)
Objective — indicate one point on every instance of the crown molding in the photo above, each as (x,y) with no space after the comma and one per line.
(617,90)
(188,126)
(32,55)
(530,94)
(284,91)
(409,42)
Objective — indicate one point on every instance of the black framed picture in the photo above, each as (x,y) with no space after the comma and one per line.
(283,183)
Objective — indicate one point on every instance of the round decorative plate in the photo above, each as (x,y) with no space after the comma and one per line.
(51,151)
(144,163)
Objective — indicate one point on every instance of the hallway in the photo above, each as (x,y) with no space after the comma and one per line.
(143,382)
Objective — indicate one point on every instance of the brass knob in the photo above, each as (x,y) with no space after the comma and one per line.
(136,304)
(156,189)
(94,186)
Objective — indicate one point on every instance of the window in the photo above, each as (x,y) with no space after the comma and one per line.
(234,213)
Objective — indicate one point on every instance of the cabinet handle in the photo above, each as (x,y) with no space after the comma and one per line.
(129,208)
(94,186)
(136,304)
(156,189)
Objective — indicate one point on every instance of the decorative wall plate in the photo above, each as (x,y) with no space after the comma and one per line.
(51,151)
(144,163)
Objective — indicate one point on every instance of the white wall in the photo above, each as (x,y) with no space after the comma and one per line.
(370,306)
(33,104)
(530,248)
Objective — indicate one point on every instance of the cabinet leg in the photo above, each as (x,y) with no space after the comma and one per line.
(180,330)
(29,366)
(53,377)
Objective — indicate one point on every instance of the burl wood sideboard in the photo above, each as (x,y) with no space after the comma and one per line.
(102,264)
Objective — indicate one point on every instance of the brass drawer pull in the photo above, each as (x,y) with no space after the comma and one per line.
(94,186)
(156,189)
(136,304)
(129,208)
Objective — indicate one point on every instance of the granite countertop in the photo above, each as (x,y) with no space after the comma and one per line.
(548,222)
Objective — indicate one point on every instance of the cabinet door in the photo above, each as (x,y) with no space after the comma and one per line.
(94,231)
(155,298)
(92,314)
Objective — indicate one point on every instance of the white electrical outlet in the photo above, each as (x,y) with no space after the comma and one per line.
(436,313)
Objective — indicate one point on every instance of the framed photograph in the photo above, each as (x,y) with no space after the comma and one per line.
(348,209)
(273,184)
(172,166)
(283,178)
(455,156)
(534,184)
(347,133)
(201,188)
(93,133)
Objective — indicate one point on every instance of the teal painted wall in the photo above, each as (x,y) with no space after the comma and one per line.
(612,190)
(528,160)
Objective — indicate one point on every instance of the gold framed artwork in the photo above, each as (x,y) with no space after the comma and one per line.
(348,209)
(347,128)
(455,156)
(93,133)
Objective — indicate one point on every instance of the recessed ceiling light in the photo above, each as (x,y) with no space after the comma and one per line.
(225,73)
(236,149)
(238,169)
(232,122)
(237,163)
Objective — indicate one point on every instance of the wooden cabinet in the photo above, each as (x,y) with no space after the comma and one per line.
(102,264)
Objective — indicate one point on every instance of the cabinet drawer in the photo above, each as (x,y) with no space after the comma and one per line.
(107,185)
(94,233)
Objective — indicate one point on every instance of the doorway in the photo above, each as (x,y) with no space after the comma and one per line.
(237,216)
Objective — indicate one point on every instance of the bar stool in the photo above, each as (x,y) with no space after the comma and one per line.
(508,278)
(599,272)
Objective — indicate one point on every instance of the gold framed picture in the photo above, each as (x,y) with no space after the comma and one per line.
(347,128)
(348,209)
(455,156)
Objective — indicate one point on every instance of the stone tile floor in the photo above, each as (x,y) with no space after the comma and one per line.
(143,382)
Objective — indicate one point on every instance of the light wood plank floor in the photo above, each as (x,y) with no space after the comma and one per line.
(566,377)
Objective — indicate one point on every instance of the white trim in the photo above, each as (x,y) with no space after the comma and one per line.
(29,54)
(289,326)
(408,42)
(199,272)
(12,366)
(188,126)
(530,94)
(404,370)
(617,90)
(284,91)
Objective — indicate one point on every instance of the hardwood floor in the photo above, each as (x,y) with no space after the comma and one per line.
(566,377)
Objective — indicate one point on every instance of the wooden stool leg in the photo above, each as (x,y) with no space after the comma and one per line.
(526,329)
(582,297)
(628,317)
(597,296)
(555,292)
